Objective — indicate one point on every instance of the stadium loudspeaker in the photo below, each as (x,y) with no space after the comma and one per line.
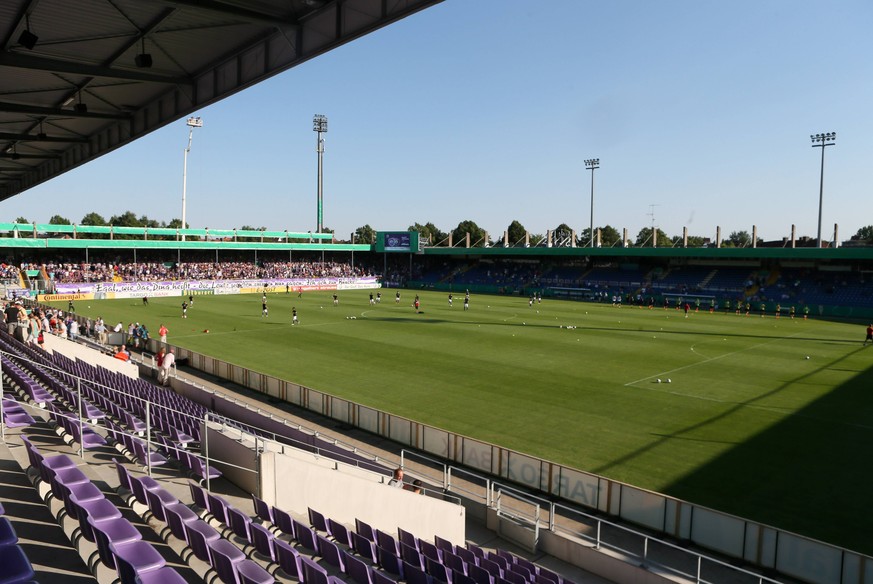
(27,39)
(143,60)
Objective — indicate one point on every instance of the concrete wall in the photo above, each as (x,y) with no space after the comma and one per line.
(294,483)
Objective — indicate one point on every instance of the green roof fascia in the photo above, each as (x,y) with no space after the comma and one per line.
(709,253)
(28,242)
(102,229)
(51,228)
(172,244)
(162,231)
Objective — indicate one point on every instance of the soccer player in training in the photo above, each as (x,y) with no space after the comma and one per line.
(450,300)
(294,316)
(335,300)
(416,304)
(264,312)
(184,309)
(869,334)
(397,297)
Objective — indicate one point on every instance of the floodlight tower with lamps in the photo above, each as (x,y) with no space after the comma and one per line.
(319,125)
(193,122)
(592,164)
(822,141)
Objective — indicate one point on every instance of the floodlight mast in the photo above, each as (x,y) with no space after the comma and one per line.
(822,141)
(319,125)
(592,164)
(193,122)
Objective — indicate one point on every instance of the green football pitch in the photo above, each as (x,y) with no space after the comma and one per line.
(770,419)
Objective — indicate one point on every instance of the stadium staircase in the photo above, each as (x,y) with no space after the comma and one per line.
(706,280)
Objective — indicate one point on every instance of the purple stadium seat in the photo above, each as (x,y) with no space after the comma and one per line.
(198,495)
(388,542)
(223,556)
(410,555)
(443,544)
(251,573)
(381,577)
(439,572)
(357,569)
(317,520)
(305,536)
(364,547)
(7,532)
(16,566)
(201,471)
(365,530)
(312,572)
(491,567)
(479,575)
(240,523)
(288,559)
(415,575)
(165,575)
(479,552)
(330,553)
(284,522)
(404,536)
(218,507)
(198,535)
(466,555)
(158,499)
(134,558)
(339,532)
(429,550)
(262,539)
(514,578)
(461,578)
(178,514)
(123,475)
(262,510)
(390,562)
(99,510)
(454,562)
(86,491)
(118,531)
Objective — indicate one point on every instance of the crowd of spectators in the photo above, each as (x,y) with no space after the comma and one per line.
(159,271)
(9,272)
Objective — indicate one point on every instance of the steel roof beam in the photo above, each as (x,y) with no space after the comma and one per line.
(18,108)
(272,20)
(22,61)
(38,138)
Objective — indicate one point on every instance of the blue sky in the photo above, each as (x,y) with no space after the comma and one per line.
(699,111)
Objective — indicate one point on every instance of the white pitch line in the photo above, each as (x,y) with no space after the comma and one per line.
(707,360)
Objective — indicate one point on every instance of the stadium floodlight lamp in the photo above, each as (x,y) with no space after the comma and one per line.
(591,164)
(319,125)
(822,140)
(192,122)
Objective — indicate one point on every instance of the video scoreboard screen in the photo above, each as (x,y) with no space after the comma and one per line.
(397,241)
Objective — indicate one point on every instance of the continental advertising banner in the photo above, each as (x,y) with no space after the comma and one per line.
(89,290)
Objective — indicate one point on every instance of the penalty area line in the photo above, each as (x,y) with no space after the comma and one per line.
(707,360)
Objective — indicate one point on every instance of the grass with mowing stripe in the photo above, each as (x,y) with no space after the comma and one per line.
(747,424)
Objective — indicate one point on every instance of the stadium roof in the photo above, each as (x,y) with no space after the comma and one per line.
(81,78)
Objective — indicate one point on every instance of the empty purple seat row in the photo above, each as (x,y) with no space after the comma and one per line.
(205,542)
(14,414)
